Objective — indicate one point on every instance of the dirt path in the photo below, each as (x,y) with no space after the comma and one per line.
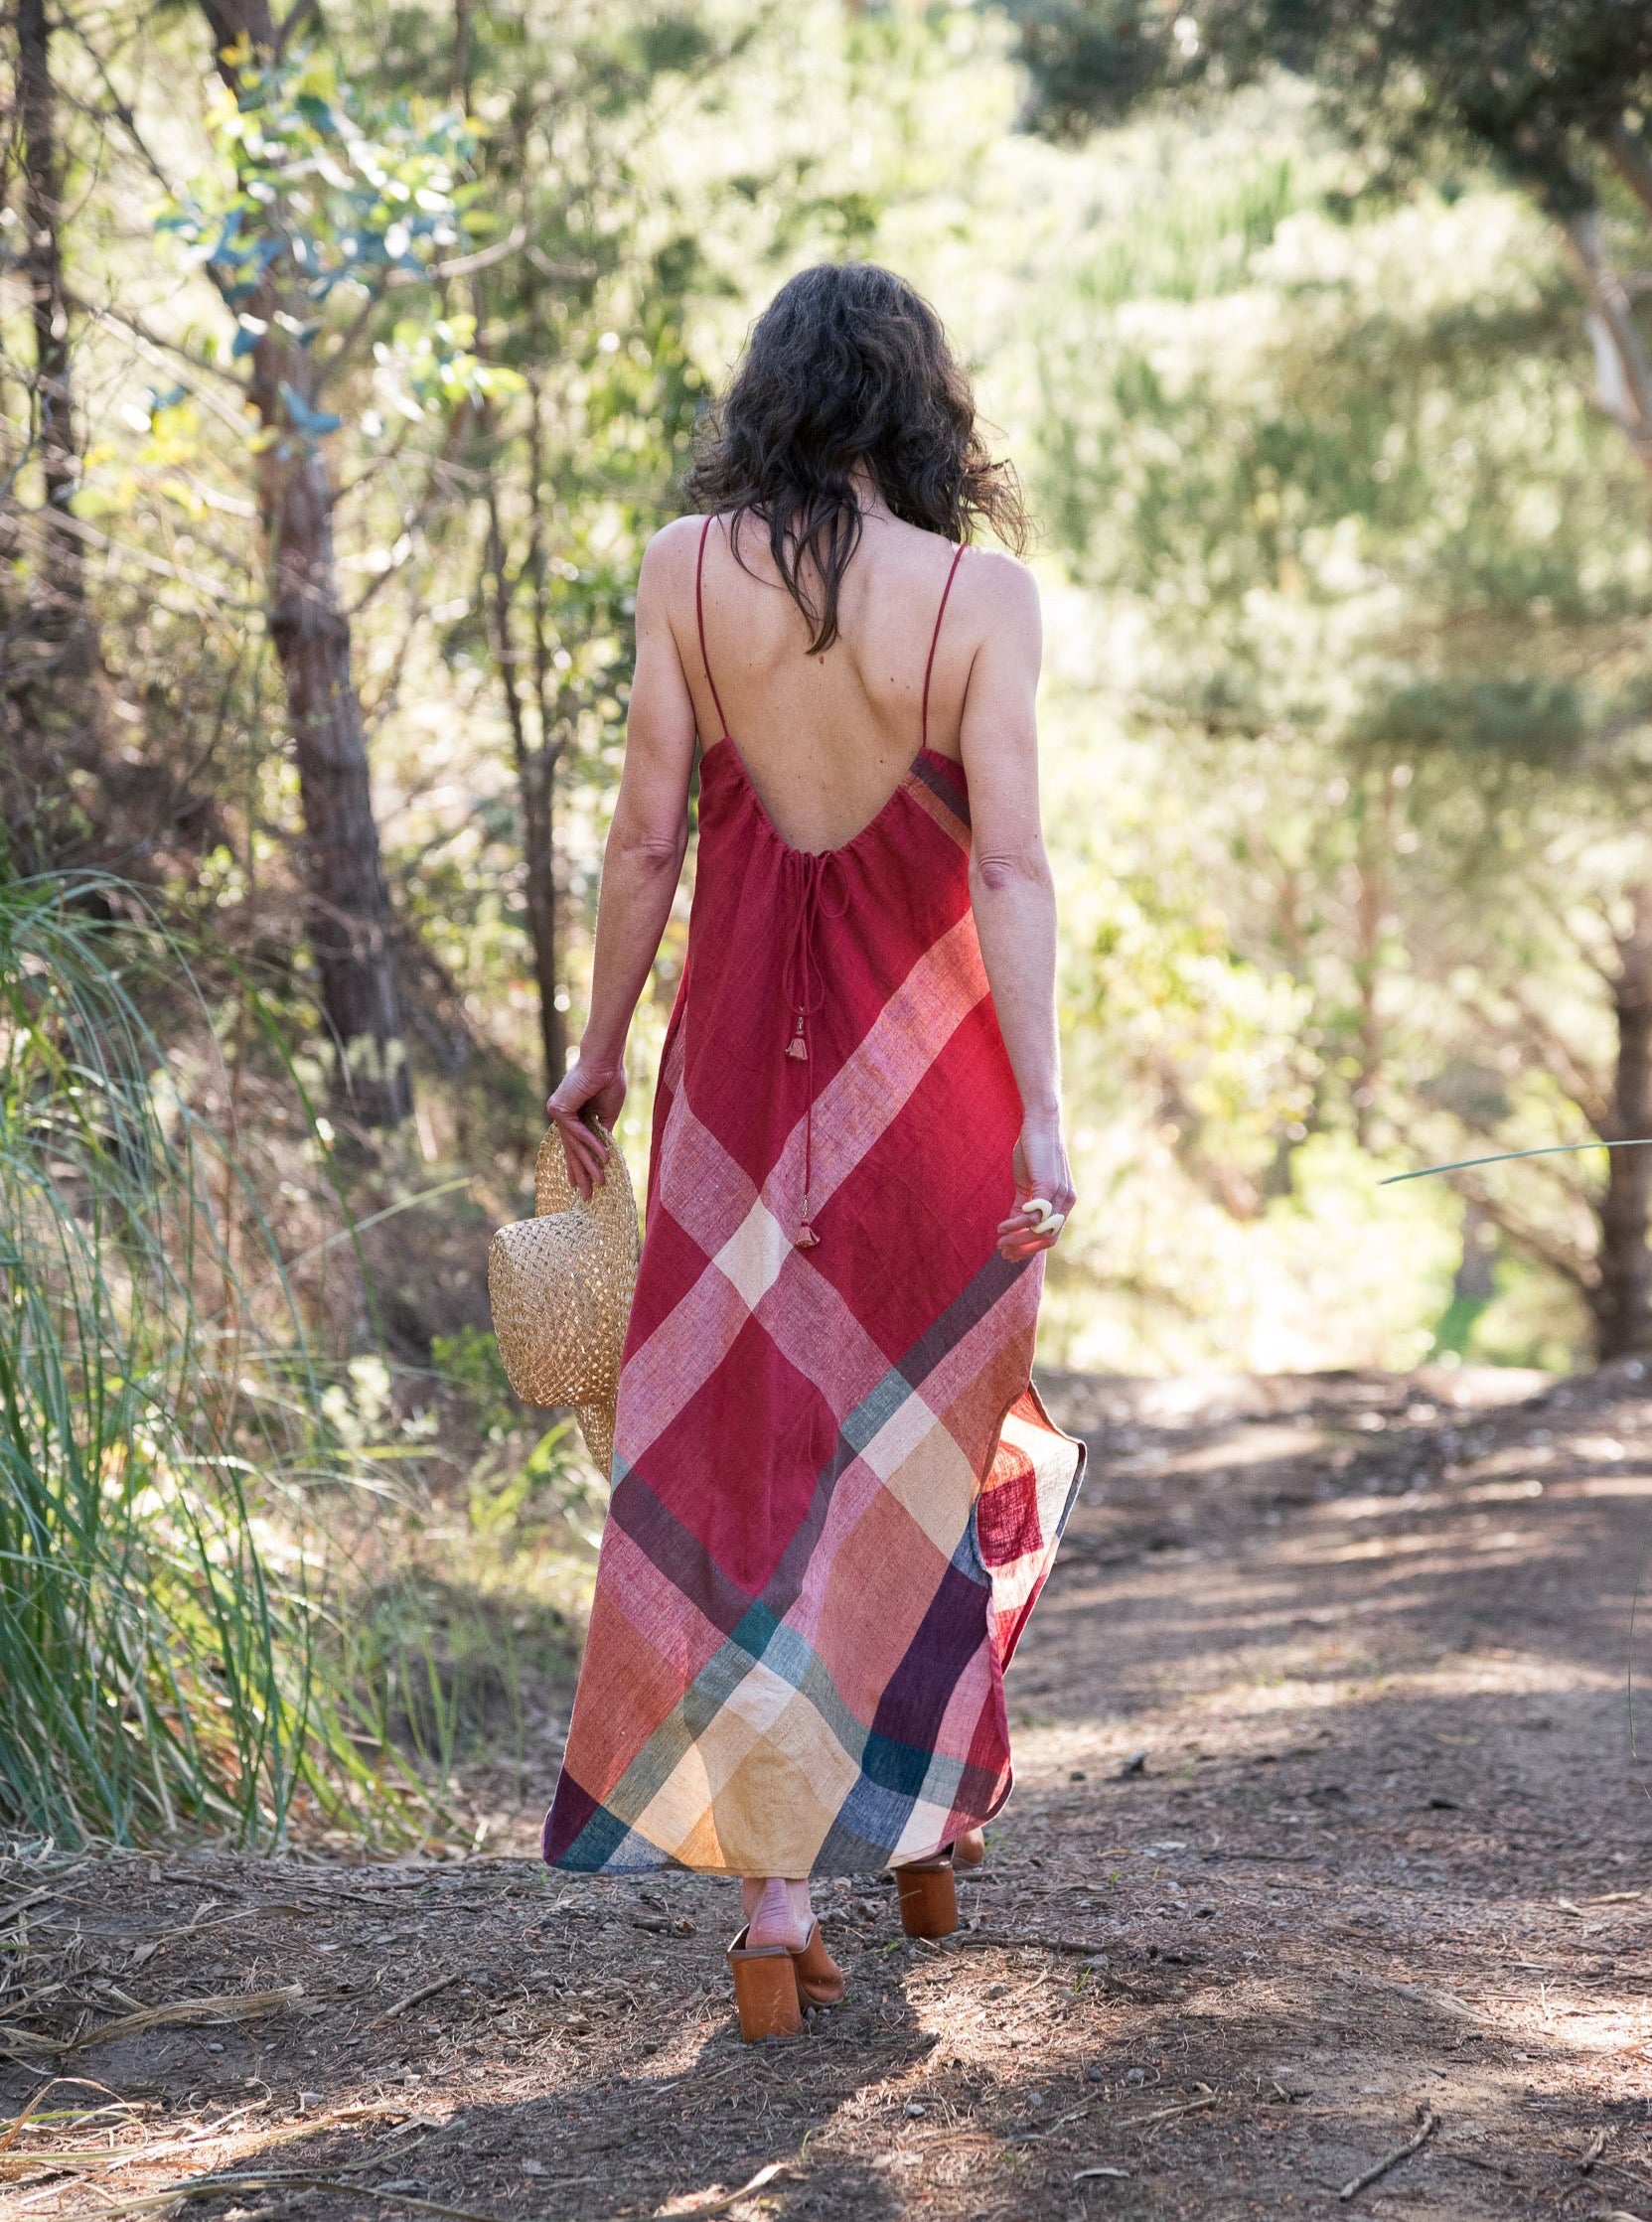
(1387,1850)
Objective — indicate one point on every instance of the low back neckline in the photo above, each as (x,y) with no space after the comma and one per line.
(726,740)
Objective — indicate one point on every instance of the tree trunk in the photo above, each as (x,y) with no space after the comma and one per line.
(538,806)
(536,782)
(348,904)
(536,754)
(1474,1283)
(1622,1300)
(541,807)
(50,726)
(1623,371)
(1376,833)
(349,917)
(464,51)
(61,565)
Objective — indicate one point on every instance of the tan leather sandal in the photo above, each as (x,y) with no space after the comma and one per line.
(929,1896)
(774,1983)
(766,1989)
(970,1848)
(820,1978)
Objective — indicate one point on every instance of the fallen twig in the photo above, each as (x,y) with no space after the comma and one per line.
(1028,2137)
(234,2005)
(1083,1947)
(425,1990)
(1124,2174)
(1190,2106)
(262,2138)
(17,2164)
(376,1885)
(1270,1859)
(19,1905)
(20,2122)
(722,2203)
(1440,2001)
(195,1928)
(283,2179)
(1359,2183)
(32,1999)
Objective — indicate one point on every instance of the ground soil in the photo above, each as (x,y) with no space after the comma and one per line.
(1328,1833)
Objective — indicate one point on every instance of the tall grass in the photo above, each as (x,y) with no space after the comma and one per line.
(164,1658)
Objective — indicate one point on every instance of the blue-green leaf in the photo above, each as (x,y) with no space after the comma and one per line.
(312,422)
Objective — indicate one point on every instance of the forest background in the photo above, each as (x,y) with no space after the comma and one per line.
(349,356)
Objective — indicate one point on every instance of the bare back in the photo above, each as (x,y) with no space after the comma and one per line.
(824,739)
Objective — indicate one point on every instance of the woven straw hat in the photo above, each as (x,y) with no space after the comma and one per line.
(559,1286)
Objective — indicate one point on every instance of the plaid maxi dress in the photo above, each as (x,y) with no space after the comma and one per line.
(835,1491)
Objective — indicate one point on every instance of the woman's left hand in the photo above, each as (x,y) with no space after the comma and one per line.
(1042,1178)
(588,1091)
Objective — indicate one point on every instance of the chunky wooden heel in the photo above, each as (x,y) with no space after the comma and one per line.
(818,1977)
(929,1897)
(767,1990)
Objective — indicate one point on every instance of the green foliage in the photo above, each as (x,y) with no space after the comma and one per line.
(326,205)
(471,1362)
(1535,83)
(161,1662)
(1346,588)
(1373,573)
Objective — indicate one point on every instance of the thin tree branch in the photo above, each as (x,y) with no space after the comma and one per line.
(155,350)
(1621,360)
(1631,159)
(119,108)
(1586,1088)
(1554,1250)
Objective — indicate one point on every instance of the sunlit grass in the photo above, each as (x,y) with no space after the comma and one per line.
(166,1653)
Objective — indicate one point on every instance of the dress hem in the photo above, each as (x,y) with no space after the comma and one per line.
(668,1861)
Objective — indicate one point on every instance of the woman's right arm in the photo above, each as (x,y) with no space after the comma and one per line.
(1010,888)
(641,865)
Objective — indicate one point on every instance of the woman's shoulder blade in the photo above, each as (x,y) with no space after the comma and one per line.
(671,541)
(667,571)
(995,572)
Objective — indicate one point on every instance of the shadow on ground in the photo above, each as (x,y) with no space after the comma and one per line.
(1329,1842)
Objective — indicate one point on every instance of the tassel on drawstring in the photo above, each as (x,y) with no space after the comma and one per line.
(805,1237)
(803,989)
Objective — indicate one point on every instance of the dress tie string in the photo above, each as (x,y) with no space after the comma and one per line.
(806,903)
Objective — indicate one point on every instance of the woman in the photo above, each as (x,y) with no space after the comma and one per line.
(835,1493)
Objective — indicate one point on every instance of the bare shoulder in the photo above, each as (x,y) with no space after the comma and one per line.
(1000,582)
(1000,608)
(669,555)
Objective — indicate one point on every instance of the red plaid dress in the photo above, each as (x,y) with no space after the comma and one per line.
(835,1491)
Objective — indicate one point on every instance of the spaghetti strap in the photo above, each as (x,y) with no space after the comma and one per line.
(699,619)
(934,644)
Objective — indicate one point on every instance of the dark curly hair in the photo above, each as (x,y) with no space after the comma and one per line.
(848,365)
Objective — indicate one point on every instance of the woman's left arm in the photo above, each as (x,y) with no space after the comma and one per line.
(1010,888)
(640,865)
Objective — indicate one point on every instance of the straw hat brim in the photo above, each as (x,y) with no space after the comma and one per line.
(560,1287)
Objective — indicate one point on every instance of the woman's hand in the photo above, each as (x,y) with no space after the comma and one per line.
(589,1088)
(1041,1171)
